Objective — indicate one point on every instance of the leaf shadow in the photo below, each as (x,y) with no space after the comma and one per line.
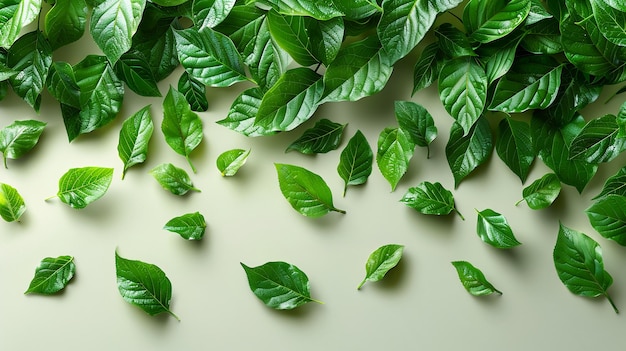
(394,279)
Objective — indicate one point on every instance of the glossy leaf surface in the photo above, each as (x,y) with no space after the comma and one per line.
(320,10)
(608,217)
(473,279)
(12,205)
(414,119)
(493,228)
(514,146)
(65,22)
(394,152)
(19,137)
(615,184)
(229,162)
(113,23)
(542,192)
(173,179)
(134,138)
(16,15)
(597,141)
(190,226)
(489,20)
(79,187)
(243,112)
(323,137)
(356,161)
(381,261)
(52,275)
(430,199)
(466,152)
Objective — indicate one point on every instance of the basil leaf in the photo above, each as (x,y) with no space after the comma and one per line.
(414,119)
(79,187)
(579,265)
(597,141)
(243,112)
(381,261)
(493,228)
(52,275)
(61,84)
(194,92)
(306,191)
(210,13)
(290,33)
(610,22)
(133,68)
(426,69)
(279,285)
(488,20)
(394,152)
(143,285)
(355,162)
(514,146)
(229,162)
(134,138)
(615,184)
(173,179)
(452,42)
(190,226)
(466,152)
(15,16)
(542,192)
(473,279)
(65,22)
(12,205)
(181,127)
(608,217)
(463,90)
(430,199)
(320,10)
(323,137)
(19,137)
(113,23)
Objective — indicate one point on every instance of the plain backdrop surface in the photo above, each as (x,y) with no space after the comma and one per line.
(420,305)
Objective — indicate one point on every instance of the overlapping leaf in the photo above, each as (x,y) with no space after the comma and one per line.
(597,141)
(290,33)
(65,22)
(610,21)
(608,216)
(323,137)
(414,119)
(194,92)
(113,23)
(320,10)
(466,152)
(489,20)
(243,112)
(615,184)
(16,14)
(514,146)
(210,13)
(133,68)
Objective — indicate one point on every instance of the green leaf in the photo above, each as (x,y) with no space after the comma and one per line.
(290,33)
(181,127)
(608,217)
(194,92)
(473,279)
(537,13)
(498,57)
(394,152)
(190,226)
(15,15)
(65,22)
(326,38)
(414,119)
(615,184)
(31,56)
(404,23)
(616,4)
(579,265)
(323,137)
(426,69)
(358,9)
(155,39)
(514,146)
(229,162)
(210,57)
(291,101)
(430,199)
(597,141)
(489,20)
(279,285)
(133,68)
(61,84)
(453,42)
(493,228)
(610,22)
(19,137)
(173,179)
(358,71)
(12,205)
(79,187)
(52,275)
(466,152)
(320,10)
(306,191)
(356,161)
(134,138)
(143,285)
(243,112)
(113,23)
(543,38)
(463,90)
(210,13)
(381,261)
(542,192)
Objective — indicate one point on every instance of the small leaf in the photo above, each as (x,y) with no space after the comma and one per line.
(173,179)
(229,162)
(473,279)
(608,217)
(52,275)
(394,152)
(597,141)
(466,152)
(493,228)
(579,265)
(542,192)
(430,199)
(134,138)
(11,203)
(323,137)
(381,261)
(279,285)
(181,127)
(417,121)
(514,146)
(615,184)
(19,137)
(190,226)
(79,187)
(143,285)
(306,191)
(356,161)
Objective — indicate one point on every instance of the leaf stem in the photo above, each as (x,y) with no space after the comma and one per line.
(519,202)
(338,210)
(459,213)
(318,301)
(191,164)
(50,198)
(4,159)
(173,315)
(608,297)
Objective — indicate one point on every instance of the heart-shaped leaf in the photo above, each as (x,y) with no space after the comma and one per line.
(608,217)
(173,179)
(356,161)
(12,205)
(79,187)
(323,137)
(381,261)
(493,228)
(190,226)
(134,138)
(52,275)
(430,199)
(229,162)
(19,137)
(473,279)
(542,192)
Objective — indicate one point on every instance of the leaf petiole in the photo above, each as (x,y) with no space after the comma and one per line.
(608,297)
(459,213)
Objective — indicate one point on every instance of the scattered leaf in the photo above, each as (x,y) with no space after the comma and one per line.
(229,162)
(473,279)
(381,261)
(52,275)
(190,226)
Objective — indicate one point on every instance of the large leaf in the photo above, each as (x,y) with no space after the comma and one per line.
(543,38)
(414,119)
(489,20)
(608,217)
(542,192)
(290,33)
(473,279)
(143,285)
(306,191)
(597,141)
(579,264)
(19,137)
(52,275)
(320,10)
(243,112)
(79,187)
(463,90)
(194,92)
(610,21)
(514,146)
(173,179)
(61,84)
(15,15)
(453,42)
(134,138)
(190,226)
(210,13)
(229,162)
(615,184)
(326,38)
(393,154)
(493,228)
(133,68)
(12,205)
(357,9)
(356,161)
(155,39)
(65,22)
(113,23)
(466,152)
(279,285)
(323,137)
(381,261)
(430,199)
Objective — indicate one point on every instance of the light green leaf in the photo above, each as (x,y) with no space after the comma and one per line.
(12,205)
(181,127)
(579,264)
(306,191)
(52,275)
(356,161)
(542,192)
(473,279)
(466,152)
(79,187)
(229,162)
(514,146)
(608,217)
(430,199)
(597,141)
(453,42)
(610,21)
(190,226)
(134,138)
(394,152)
(358,9)
(537,13)
(615,184)
(290,33)
(320,10)
(279,285)
(155,39)
(381,261)
(19,137)
(16,14)
(194,92)
(323,137)
(133,68)
(173,179)
(243,112)
(414,119)
(210,13)
(65,22)
(113,24)
(493,228)
(488,20)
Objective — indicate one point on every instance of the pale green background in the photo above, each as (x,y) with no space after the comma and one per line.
(420,305)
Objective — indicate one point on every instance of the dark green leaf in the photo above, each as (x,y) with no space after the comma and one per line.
(498,57)
(608,216)
(61,84)
(543,38)
(426,69)
(52,275)
(173,179)
(134,138)
(394,152)
(616,184)
(155,39)
(290,33)
(79,187)
(473,279)
(356,161)
(597,141)
(210,13)
(542,192)
(320,10)
(358,9)
(326,38)
(190,226)
(414,119)
(12,205)
(514,146)
(194,92)
(113,23)
(133,68)
(229,162)
(489,20)
(323,137)
(381,261)
(493,228)
(16,14)
(430,199)
(19,137)
(242,114)
(610,22)
(452,42)
(466,152)
(537,13)
(65,22)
